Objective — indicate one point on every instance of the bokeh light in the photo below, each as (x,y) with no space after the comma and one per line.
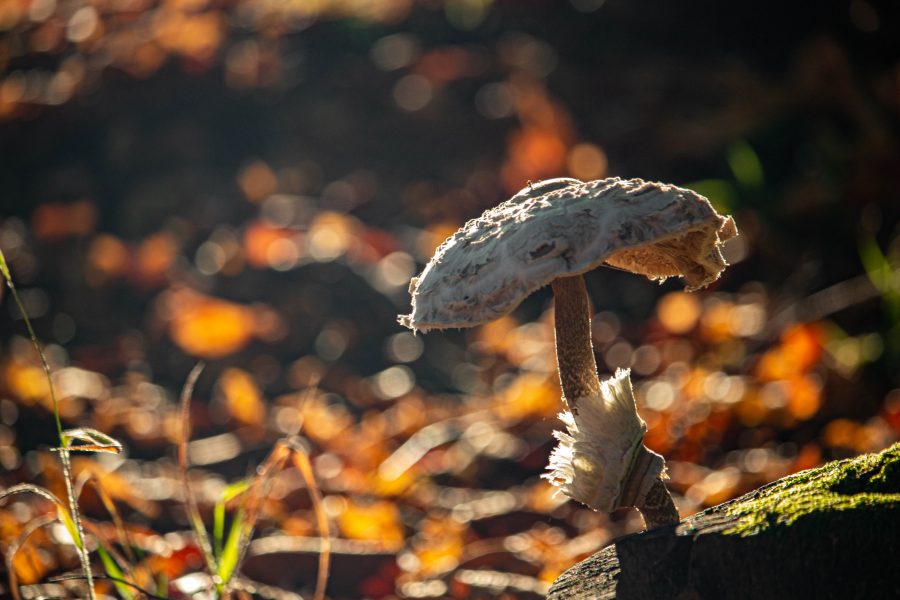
(253,184)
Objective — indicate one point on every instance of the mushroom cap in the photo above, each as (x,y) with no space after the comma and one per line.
(565,227)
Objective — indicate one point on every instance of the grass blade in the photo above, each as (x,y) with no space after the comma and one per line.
(230,492)
(4,268)
(190,500)
(63,451)
(218,530)
(131,585)
(258,491)
(62,510)
(122,534)
(115,573)
(16,545)
(76,530)
(302,463)
(92,441)
(231,553)
(28,488)
(745,165)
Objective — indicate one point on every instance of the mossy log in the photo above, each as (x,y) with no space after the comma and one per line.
(829,532)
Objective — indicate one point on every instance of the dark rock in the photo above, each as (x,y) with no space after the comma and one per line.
(830,532)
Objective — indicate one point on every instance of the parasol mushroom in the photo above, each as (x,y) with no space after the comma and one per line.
(551,233)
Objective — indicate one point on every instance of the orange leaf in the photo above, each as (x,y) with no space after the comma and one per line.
(804,396)
(331,235)
(265,245)
(678,311)
(378,521)
(242,397)
(107,258)
(55,220)
(443,65)
(154,257)
(439,545)
(257,181)
(717,321)
(535,153)
(209,327)
(31,564)
(803,344)
(496,335)
(800,348)
(530,395)
(117,486)
(28,383)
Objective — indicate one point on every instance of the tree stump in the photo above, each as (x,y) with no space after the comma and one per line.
(829,532)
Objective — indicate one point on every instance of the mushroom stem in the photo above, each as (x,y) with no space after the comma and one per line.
(658,508)
(656,504)
(578,379)
(574,351)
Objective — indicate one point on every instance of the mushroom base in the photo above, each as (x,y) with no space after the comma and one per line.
(658,508)
(644,489)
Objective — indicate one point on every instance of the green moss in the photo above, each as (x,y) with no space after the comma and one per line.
(871,481)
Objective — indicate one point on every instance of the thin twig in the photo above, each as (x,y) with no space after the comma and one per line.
(80,543)
(258,491)
(121,531)
(63,441)
(121,560)
(269,592)
(301,461)
(23,488)
(61,578)
(14,548)
(820,304)
(189,499)
(4,268)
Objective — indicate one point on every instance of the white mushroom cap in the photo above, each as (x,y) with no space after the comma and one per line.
(602,441)
(560,228)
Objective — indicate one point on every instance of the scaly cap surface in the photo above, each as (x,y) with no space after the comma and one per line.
(565,227)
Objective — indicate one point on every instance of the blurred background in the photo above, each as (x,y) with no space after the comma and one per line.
(252,183)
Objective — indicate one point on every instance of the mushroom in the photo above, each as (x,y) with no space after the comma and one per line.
(551,233)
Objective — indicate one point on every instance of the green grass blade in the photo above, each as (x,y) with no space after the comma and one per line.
(745,165)
(113,570)
(190,501)
(218,528)
(73,517)
(233,490)
(162,586)
(91,441)
(230,492)
(4,268)
(875,264)
(228,561)
(881,273)
(67,520)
